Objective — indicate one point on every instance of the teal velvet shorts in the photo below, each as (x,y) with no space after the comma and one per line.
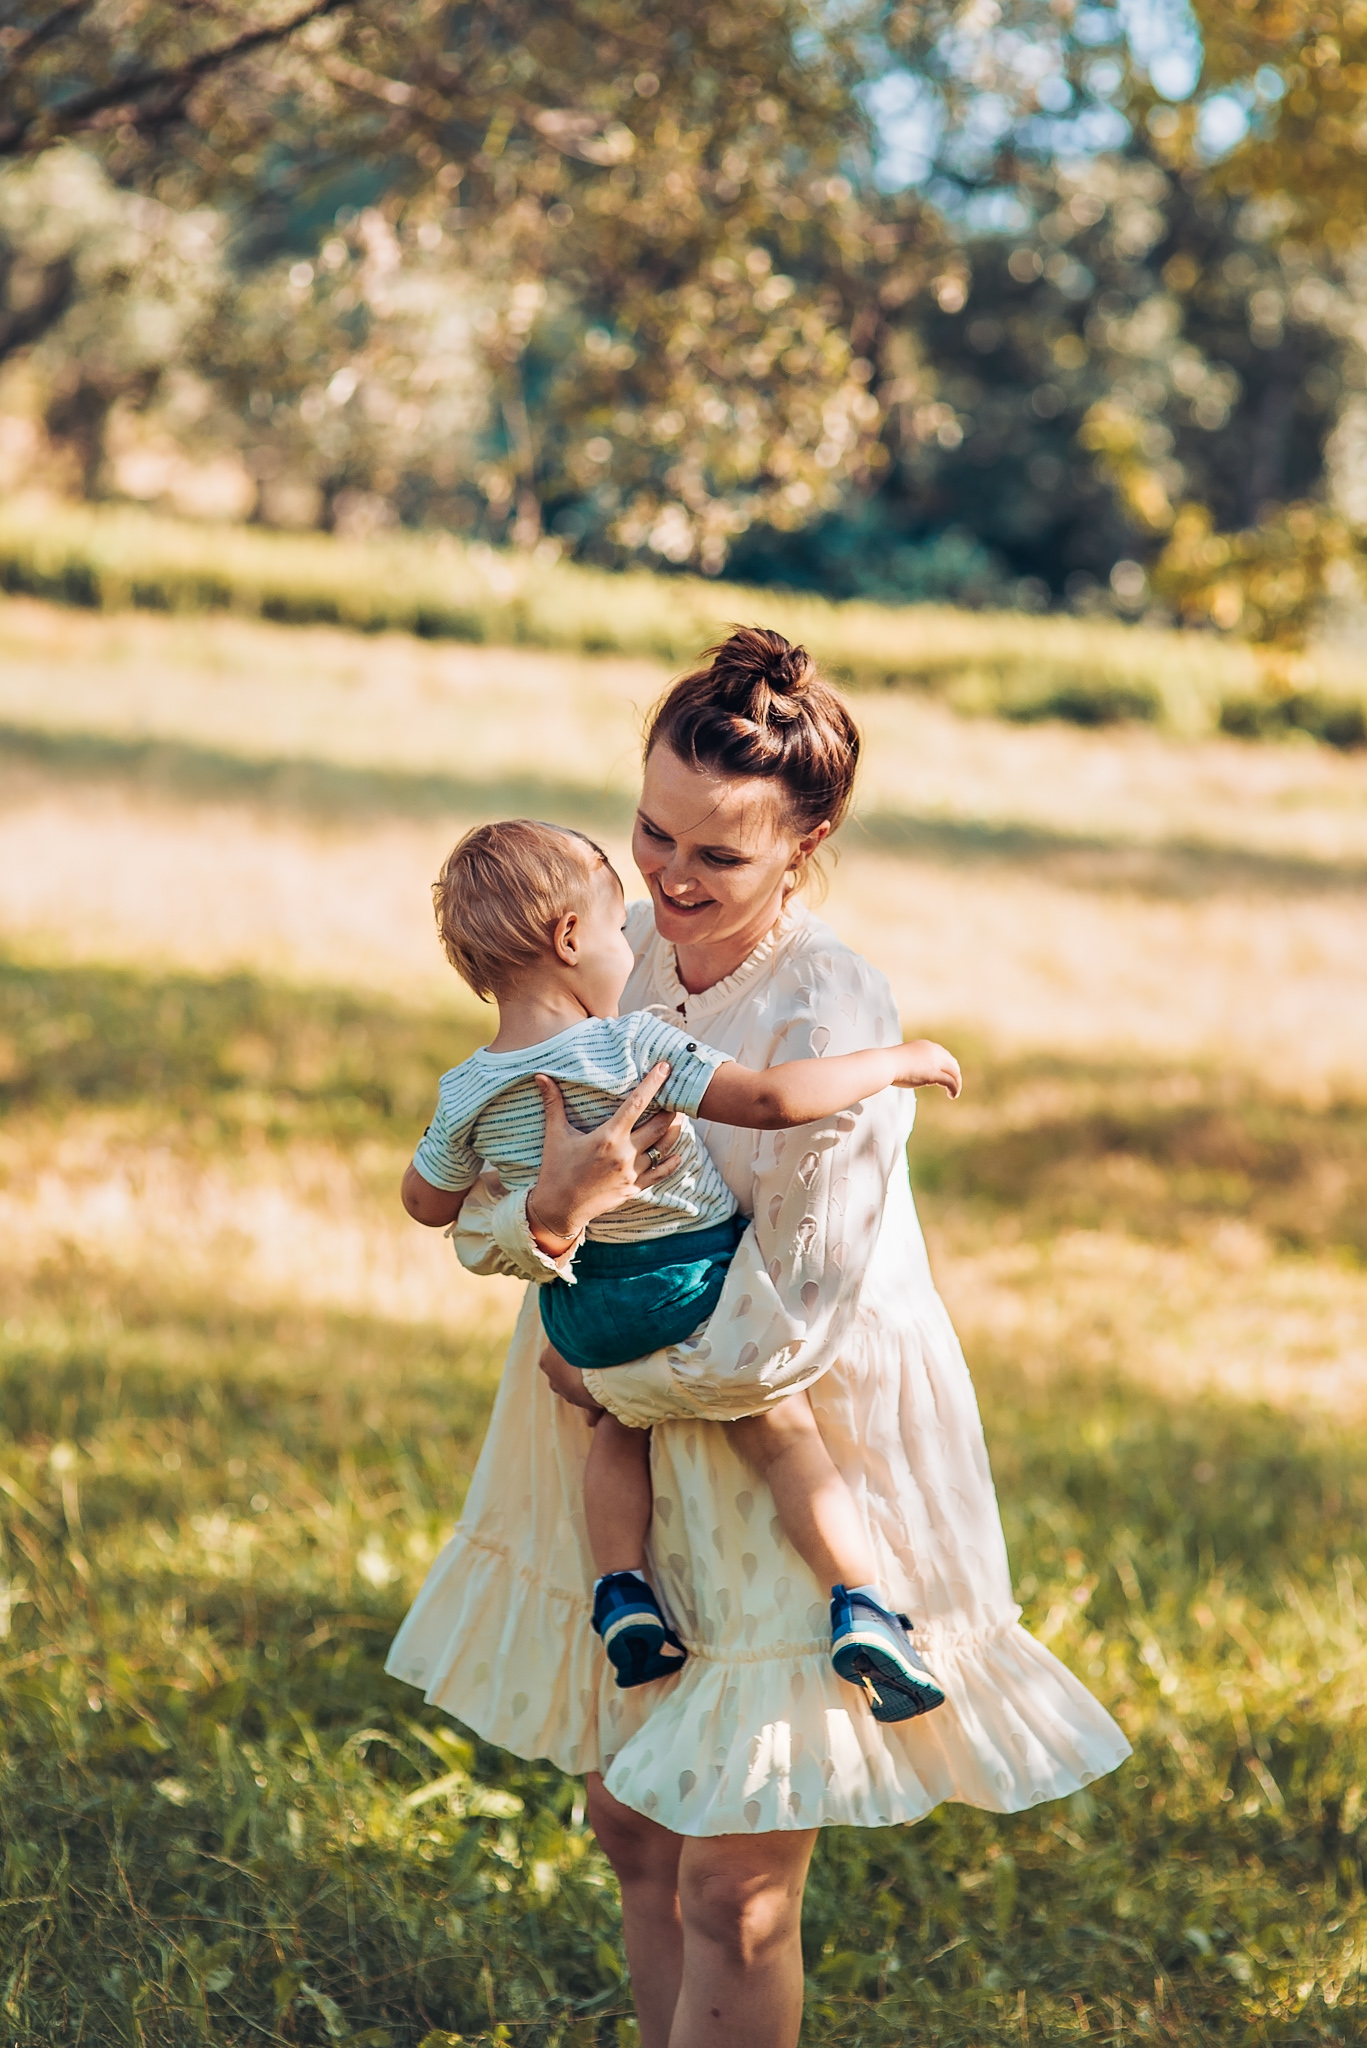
(629,1299)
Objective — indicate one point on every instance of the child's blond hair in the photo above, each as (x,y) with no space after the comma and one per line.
(501,892)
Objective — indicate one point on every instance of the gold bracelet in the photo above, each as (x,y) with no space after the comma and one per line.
(560,1236)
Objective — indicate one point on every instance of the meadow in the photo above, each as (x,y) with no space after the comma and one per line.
(1092,671)
(241,1394)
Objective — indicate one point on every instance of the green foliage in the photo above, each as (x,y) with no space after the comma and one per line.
(660,286)
(1304,154)
(221,1822)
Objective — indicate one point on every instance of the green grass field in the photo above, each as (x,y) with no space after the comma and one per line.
(1011,665)
(241,1396)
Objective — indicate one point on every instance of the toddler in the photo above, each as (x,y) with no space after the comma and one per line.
(532,915)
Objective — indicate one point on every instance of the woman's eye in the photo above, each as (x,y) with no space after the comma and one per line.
(652,832)
(724,860)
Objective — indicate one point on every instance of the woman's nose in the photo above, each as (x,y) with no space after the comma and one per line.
(674,879)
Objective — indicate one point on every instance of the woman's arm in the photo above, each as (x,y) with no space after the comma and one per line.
(817,1198)
(800,1091)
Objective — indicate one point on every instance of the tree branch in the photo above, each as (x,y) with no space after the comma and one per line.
(175,80)
(44,32)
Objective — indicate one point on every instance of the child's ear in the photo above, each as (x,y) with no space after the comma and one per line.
(565,938)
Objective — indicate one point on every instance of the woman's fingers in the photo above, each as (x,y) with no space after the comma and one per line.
(634,1106)
(657,1143)
(553,1102)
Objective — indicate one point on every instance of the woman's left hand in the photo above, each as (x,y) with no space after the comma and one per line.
(568,1382)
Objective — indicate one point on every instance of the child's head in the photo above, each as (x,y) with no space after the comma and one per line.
(521,904)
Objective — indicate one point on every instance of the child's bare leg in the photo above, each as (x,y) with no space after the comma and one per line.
(815,1508)
(617,1496)
(640,1644)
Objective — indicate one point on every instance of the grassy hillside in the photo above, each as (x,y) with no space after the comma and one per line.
(1002,663)
(221,1822)
(241,1395)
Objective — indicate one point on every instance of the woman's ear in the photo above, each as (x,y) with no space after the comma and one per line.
(565,938)
(807,845)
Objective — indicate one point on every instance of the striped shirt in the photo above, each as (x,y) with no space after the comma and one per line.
(489,1113)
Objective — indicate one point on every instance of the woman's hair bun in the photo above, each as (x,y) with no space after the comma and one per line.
(760,675)
(760,707)
(792,671)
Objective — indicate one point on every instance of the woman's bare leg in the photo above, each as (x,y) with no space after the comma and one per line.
(815,1508)
(617,1496)
(645,1857)
(741,1900)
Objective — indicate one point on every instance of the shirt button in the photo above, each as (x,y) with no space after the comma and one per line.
(692,1045)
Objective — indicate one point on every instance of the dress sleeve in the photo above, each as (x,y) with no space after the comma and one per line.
(818,1195)
(491,1235)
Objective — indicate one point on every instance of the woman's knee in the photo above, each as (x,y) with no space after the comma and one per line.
(744,1897)
(639,1850)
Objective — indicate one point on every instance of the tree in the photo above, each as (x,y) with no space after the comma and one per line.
(75,68)
(664,197)
(1304,148)
(106,291)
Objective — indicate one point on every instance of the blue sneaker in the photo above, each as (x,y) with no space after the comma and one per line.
(639,1641)
(871,1647)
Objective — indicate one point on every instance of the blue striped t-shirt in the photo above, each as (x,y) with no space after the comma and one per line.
(489,1112)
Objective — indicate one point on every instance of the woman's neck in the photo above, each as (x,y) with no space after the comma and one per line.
(702,966)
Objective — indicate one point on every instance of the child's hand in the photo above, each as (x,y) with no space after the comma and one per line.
(568,1382)
(923,1064)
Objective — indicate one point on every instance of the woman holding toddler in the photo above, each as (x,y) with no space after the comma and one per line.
(707,1784)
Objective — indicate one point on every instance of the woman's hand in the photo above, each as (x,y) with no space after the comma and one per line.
(568,1382)
(923,1064)
(586,1173)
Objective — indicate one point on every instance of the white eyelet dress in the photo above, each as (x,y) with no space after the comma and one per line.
(830,1291)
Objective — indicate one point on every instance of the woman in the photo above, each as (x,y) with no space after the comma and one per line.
(706,1790)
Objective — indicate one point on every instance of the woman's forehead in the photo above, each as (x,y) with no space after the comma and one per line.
(695,803)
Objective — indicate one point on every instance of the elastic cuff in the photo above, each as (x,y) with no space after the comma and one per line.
(555,1269)
(598,1382)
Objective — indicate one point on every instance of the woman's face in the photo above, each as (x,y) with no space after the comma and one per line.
(714,851)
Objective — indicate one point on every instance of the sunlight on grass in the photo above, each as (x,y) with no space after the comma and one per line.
(1093,671)
(276,800)
(242,1395)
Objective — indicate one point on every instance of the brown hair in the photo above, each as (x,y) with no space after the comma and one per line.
(501,892)
(761,708)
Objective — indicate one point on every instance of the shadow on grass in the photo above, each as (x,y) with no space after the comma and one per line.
(335,792)
(326,791)
(219,1817)
(1051,1143)
(208,1763)
(220,1045)
(1145,1148)
(1175,869)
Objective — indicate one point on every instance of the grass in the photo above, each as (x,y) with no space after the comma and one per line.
(241,1394)
(230,793)
(222,1823)
(1093,673)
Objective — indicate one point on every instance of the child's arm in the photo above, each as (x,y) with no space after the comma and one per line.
(435,1207)
(800,1091)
